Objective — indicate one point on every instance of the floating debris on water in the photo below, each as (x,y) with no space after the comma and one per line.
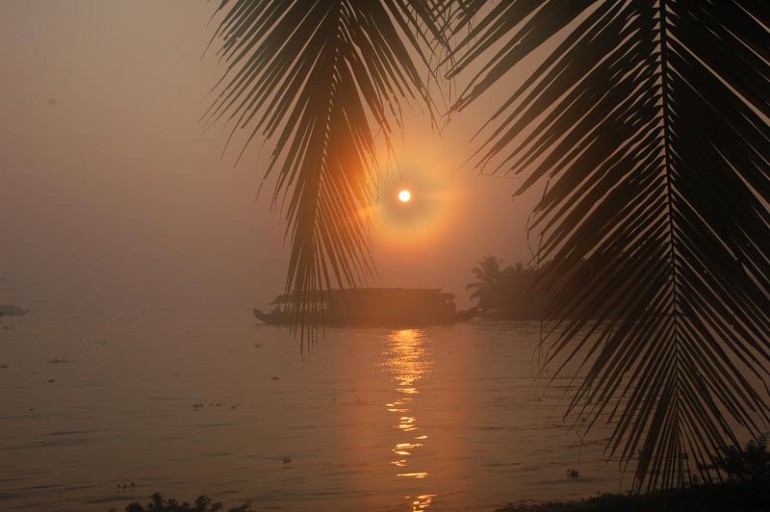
(125,487)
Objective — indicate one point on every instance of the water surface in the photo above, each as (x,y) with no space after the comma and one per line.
(99,411)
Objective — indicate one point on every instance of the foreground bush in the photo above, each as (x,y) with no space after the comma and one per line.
(733,496)
(202,504)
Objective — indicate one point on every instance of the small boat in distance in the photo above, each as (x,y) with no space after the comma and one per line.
(371,307)
(8,310)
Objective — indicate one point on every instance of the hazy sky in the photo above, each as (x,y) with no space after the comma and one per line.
(111,195)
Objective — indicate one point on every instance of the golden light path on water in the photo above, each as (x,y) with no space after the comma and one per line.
(407,358)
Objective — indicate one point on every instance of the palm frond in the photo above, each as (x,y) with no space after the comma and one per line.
(650,121)
(320,79)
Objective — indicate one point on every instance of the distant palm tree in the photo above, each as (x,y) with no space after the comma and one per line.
(504,292)
(649,123)
(488,273)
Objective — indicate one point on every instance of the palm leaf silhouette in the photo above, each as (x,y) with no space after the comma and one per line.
(321,79)
(650,122)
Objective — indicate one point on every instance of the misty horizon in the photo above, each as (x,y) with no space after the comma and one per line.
(116,198)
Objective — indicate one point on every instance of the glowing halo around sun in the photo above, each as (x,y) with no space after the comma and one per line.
(416,201)
(413,214)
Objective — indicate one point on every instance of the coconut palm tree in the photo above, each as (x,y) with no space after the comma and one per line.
(486,287)
(649,122)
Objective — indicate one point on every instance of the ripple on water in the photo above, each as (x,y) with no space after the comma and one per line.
(487,430)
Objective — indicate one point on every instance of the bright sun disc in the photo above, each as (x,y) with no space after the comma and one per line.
(404,196)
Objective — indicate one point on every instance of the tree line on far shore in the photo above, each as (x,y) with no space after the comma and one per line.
(506,292)
(526,292)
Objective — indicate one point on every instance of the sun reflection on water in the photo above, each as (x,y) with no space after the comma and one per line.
(421,502)
(407,357)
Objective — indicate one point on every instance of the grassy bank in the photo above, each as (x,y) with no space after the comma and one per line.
(745,496)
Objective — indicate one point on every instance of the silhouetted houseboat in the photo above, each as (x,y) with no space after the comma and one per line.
(371,306)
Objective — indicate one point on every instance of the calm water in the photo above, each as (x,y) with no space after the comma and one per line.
(440,419)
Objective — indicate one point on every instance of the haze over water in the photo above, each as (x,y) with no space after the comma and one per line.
(128,228)
(116,198)
(443,418)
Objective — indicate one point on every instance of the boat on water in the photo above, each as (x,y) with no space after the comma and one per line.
(8,310)
(371,307)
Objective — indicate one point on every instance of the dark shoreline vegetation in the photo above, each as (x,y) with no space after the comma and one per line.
(733,496)
(202,504)
(745,489)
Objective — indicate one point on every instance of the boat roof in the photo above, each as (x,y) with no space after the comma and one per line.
(373,292)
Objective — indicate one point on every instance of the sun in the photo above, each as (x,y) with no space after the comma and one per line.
(404,195)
